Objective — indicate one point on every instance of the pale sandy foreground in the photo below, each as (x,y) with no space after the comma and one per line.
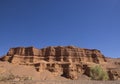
(62,82)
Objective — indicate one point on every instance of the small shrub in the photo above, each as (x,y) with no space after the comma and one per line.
(97,73)
(11,77)
(6,78)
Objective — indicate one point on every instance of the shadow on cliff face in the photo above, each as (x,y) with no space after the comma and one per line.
(65,70)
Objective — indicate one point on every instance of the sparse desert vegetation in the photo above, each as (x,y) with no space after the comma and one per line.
(97,73)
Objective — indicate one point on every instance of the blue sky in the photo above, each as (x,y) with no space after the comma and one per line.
(42,23)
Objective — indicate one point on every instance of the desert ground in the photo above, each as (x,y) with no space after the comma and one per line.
(21,74)
(63,82)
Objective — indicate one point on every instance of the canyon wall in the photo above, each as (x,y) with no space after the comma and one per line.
(67,61)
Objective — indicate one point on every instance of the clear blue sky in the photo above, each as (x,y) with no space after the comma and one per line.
(42,23)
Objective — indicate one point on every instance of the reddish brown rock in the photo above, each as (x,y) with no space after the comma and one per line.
(113,68)
(114,74)
(61,60)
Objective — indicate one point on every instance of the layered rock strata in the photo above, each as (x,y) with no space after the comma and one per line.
(67,61)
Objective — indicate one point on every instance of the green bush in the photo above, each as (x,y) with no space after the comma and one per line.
(97,73)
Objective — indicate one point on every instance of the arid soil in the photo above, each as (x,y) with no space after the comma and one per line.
(22,74)
(63,82)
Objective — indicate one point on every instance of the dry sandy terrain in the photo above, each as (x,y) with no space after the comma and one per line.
(20,74)
(63,82)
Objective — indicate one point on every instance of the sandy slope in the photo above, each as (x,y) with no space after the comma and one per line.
(63,82)
(46,77)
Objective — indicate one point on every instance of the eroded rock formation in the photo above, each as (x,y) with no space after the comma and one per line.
(67,61)
(114,73)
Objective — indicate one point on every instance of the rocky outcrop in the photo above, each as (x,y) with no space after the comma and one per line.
(67,61)
(114,73)
(113,68)
(52,54)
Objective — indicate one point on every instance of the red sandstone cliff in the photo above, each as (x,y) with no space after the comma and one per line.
(68,61)
(53,54)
